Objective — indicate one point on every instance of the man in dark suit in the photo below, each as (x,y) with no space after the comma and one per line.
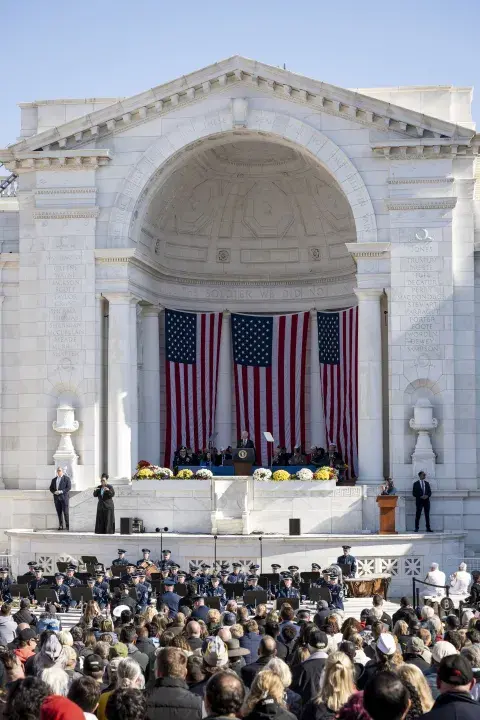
(422,493)
(245,441)
(60,488)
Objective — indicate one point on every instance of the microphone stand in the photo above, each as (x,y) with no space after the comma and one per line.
(214,551)
(261,554)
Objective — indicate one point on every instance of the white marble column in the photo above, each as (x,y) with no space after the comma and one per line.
(223,421)
(317,417)
(2,484)
(122,385)
(370,404)
(149,441)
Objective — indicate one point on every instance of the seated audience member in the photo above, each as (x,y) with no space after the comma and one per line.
(266,651)
(126,704)
(266,699)
(27,644)
(224,695)
(25,699)
(455,682)
(251,641)
(24,615)
(415,654)
(170,696)
(56,679)
(386,697)
(292,699)
(298,457)
(418,688)
(460,581)
(385,650)
(336,687)
(8,626)
(379,613)
(405,612)
(306,676)
(441,650)
(85,693)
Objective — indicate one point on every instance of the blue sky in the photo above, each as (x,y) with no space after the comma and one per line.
(106,48)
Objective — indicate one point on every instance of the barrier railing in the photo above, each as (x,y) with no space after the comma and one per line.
(416,590)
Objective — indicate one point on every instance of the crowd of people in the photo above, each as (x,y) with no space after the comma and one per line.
(258,664)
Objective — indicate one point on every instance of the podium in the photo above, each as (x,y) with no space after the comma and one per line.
(387,505)
(243,459)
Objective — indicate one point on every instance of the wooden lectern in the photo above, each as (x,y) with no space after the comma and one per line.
(387,505)
(243,459)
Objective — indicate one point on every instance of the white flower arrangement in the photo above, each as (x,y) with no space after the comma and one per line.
(162,473)
(305,475)
(262,474)
(204,474)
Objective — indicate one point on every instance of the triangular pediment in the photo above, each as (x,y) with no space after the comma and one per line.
(320,96)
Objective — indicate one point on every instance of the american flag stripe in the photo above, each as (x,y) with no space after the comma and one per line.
(339,380)
(270,394)
(191,379)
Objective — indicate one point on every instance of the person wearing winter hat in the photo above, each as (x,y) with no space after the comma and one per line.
(386,647)
(56,707)
(416,654)
(306,676)
(455,681)
(441,649)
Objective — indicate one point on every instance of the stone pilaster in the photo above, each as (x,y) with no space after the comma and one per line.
(223,418)
(149,436)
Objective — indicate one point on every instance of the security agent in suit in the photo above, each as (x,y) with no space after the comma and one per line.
(347,559)
(170,598)
(5,583)
(60,488)
(216,590)
(422,493)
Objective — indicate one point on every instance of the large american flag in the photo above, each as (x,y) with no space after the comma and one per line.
(337,351)
(269,354)
(192,347)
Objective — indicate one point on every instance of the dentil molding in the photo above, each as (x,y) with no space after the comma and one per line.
(444,203)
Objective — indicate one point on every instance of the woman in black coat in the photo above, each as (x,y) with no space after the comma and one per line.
(105,522)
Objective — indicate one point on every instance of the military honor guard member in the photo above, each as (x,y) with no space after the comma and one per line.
(101,590)
(347,559)
(217,590)
(31,569)
(170,598)
(121,560)
(330,581)
(70,579)
(236,576)
(142,593)
(166,560)
(38,581)
(64,595)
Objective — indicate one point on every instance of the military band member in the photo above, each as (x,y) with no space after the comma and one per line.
(64,595)
(38,581)
(5,584)
(145,560)
(316,567)
(121,560)
(142,593)
(101,590)
(130,571)
(203,579)
(170,598)
(236,576)
(217,590)
(330,581)
(288,591)
(31,569)
(174,568)
(70,579)
(347,559)
(142,575)
(224,574)
(294,572)
(166,560)
(254,569)
(252,584)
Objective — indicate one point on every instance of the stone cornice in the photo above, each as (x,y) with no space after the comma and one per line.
(65,191)
(272,81)
(22,162)
(424,149)
(443,203)
(420,180)
(369,250)
(60,214)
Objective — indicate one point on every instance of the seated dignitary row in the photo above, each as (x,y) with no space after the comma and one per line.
(137,586)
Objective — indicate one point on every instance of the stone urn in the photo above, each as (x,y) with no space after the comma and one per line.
(65,455)
(423,422)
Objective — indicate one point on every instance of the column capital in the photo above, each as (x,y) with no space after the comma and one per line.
(368,293)
(152,310)
(121,298)
(313,314)
(226,315)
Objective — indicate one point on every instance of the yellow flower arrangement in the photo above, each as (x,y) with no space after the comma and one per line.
(145,472)
(325,473)
(280,475)
(184,474)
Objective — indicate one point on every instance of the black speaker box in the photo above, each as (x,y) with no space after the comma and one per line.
(126,526)
(294,526)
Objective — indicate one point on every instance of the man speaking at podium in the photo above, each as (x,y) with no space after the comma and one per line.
(245,442)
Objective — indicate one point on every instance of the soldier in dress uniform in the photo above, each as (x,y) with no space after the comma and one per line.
(145,561)
(224,576)
(216,590)
(142,593)
(101,590)
(38,581)
(5,584)
(64,595)
(142,575)
(166,560)
(254,569)
(130,571)
(31,569)
(288,591)
(171,598)
(331,581)
(294,572)
(121,560)
(203,580)
(236,576)
(70,579)
(174,568)
(347,559)
(315,567)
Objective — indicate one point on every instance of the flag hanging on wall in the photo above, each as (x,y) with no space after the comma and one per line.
(192,347)
(337,351)
(269,355)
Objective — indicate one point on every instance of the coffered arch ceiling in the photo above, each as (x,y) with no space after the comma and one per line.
(248,208)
